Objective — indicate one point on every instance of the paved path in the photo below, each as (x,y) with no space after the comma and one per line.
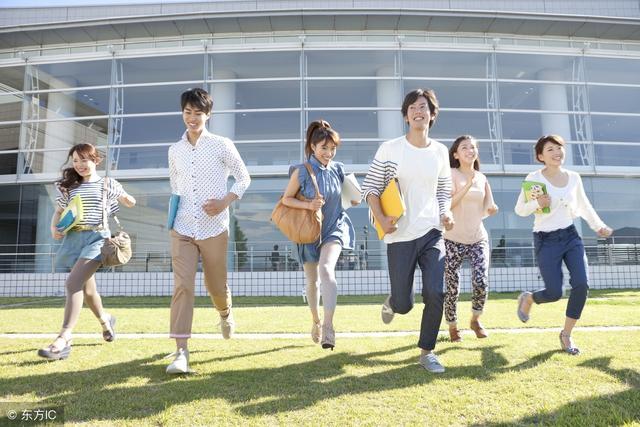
(267,336)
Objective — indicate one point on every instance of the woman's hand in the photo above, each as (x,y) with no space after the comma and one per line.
(447,221)
(56,234)
(492,210)
(315,204)
(544,201)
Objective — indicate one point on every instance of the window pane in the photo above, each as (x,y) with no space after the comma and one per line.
(534,96)
(256,126)
(254,95)
(161,69)
(454,94)
(351,63)
(615,128)
(616,200)
(613,70)
(357,152)
(77,103)
(250,65)
(72,74)
(12,79)
(617,155)
(537,67)
(10,108)
(516,153)
(271,153)
(151,130)
(354,93)
(140,157)
(444,64)
(451,124)
(612,99)
(351,124)
(9,137)
(532,126)
(8,164)
(154,99)
(52,161)
(61,135)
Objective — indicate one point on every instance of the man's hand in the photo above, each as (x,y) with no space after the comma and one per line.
(213,207)
(388,224)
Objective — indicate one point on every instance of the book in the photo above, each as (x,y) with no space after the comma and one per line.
(532,190)
(71,215)
(174,203)
(351,191)
(392,204)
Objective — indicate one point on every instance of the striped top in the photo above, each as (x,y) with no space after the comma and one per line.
(424,176)
(91,195)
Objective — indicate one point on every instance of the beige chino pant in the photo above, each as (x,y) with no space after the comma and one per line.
(185,253)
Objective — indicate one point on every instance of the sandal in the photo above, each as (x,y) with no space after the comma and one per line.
(108,329)
(52,352)
(315,332)
(454,334)
(568,346)
(478,329)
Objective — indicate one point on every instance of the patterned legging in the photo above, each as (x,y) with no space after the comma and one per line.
(478,254)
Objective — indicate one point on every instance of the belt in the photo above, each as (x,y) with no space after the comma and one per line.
(87,228)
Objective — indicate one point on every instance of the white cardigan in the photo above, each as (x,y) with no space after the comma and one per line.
(567,203)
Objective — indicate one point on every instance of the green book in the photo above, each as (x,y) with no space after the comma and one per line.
(532,190)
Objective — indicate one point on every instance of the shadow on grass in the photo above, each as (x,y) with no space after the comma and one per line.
(614,409)
(106,393)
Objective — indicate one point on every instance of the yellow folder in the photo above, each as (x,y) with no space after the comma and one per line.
(392,204)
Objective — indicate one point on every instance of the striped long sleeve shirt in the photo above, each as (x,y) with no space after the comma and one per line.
(424,176)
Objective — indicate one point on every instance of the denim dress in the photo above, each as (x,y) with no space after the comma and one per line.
(336,224)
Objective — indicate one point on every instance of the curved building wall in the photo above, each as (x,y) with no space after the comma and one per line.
(265,93)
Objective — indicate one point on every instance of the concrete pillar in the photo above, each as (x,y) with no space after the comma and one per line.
(554,97)
(224,98)
(389,96)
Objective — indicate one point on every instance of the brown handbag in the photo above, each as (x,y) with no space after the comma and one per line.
(299,225)
(116,250)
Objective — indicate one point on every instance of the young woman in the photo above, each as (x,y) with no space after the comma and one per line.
(319,259)
(80,251)
(555,237)
(471,202)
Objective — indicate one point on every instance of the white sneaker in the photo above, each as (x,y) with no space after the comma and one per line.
(431,363)
(227,325)
(180,364)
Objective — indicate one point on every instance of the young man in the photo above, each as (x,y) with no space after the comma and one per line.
(421,166)
(199,167)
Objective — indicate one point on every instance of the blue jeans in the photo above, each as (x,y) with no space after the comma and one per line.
(551,249)
(428,252)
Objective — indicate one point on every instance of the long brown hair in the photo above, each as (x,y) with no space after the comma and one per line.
(317,132)
(70,178)
(455,163)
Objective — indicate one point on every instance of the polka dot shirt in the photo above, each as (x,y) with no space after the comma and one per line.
(200,172)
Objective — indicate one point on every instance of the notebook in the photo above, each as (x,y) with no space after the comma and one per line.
(174,203)
(351,191)
(532,190)
(71,215)
(392,204)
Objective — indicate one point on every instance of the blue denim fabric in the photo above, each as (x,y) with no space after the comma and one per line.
(552,248)
(79,244)
(428,252)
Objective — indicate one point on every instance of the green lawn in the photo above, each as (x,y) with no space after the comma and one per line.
(504,380)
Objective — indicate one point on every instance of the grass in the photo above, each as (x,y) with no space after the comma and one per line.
(507,379)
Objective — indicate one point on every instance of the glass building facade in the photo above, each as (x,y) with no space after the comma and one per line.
(124,98)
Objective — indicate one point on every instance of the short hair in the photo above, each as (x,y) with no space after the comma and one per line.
(430,95)
(319,131)
(455,163)
(555,139)
(197,98)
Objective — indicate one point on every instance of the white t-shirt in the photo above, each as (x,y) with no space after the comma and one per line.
(567,203)
(424,176)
